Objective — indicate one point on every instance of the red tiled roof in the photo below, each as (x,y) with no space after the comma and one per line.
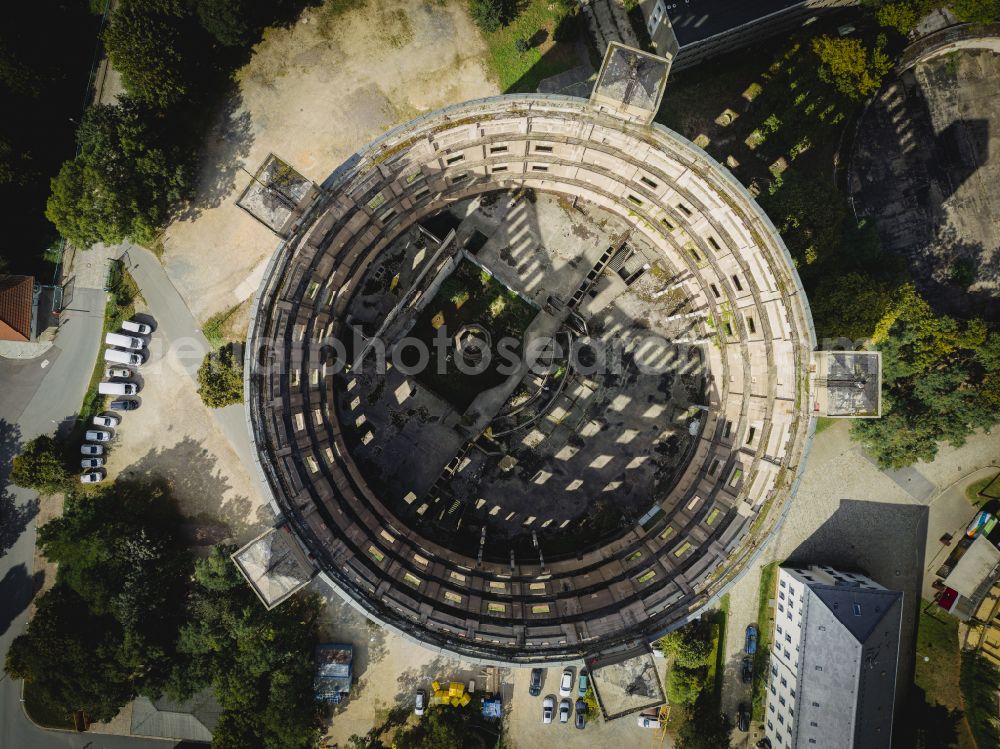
(15,307)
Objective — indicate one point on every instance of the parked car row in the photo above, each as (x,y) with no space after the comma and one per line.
(122,348)
(566,688)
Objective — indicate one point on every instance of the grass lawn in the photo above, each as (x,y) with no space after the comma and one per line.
(937,641)
(44,714)
(973,489)
(121,306)
(823,423)
(938,668)
(536,22)
(765,624)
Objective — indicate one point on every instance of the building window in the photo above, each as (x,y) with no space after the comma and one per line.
(455,159)
(781,607)
(715,290)
(648,182)
(736,282)
(539,168)
(784,682)
(498,149)
(543,149)
(857,609)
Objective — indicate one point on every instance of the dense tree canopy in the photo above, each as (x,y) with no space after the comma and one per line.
(107,628)
(124,180)
(259,662)
(846,62)
(42,94)
(220,377)
(941,379)
(40,466)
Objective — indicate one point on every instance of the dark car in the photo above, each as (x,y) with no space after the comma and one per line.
(581,714)
(535,686)
(743,718)
(747,670)
(751,646)
(124,405)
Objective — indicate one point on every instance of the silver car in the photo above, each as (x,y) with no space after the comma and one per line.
(94,477)
(97,435)
(91,462)
(108,420)
(548,708)
(91,450)
(112,372)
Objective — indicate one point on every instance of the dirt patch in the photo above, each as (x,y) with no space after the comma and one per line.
(313,94)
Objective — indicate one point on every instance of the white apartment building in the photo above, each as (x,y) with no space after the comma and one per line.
(832,680)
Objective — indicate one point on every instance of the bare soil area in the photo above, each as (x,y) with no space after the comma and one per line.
(173,437)
(314,94)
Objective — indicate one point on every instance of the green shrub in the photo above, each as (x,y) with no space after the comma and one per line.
(40,466)
(490,15)
(220,376)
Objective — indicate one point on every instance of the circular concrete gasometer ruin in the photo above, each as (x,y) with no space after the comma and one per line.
(603,487)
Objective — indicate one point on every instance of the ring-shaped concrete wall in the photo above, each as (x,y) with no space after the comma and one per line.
(757,340)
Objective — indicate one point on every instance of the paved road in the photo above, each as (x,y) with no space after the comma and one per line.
(36,400)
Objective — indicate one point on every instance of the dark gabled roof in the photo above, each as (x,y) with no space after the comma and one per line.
(696,20)
(840,599)
(16,298)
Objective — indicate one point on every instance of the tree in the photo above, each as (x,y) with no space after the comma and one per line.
(850,66)
(107,629)
(684,685)
(232,22)
(706,727)
(976,11)
(490,15)
(124,180)
(40,466)
(259,662)
(850,306)
(901,16)
(690,646)
(68,656)
(939,382)
(442,728)
(153,45)
(220,377)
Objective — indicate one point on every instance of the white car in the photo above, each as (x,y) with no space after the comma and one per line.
(548,708)
(564,710)
(123,357)
(420,702)
(647,721)
(91,462)
(110,421)
(566,683)
(136,327)
(117,388)
(97,435)
(112,372)
(91,450)
(94,477)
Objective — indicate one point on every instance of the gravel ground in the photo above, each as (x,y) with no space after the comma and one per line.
(314,94)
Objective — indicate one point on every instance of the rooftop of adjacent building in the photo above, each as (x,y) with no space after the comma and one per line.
(697,20)
(16,300)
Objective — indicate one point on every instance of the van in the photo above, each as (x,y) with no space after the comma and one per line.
(124,341)
(117,388)
(123,357)
(131,326)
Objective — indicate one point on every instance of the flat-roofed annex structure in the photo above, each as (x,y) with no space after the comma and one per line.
(275,565)
(713,251)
